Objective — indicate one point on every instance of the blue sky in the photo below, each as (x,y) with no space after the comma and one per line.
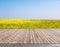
(42,9)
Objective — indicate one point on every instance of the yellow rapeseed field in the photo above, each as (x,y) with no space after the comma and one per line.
(28,23)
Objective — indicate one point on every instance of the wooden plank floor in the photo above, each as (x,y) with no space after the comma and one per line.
(40,36)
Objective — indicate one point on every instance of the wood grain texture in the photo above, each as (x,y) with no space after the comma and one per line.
(40,36)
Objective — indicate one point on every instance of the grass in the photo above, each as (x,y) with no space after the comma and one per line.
(28,23)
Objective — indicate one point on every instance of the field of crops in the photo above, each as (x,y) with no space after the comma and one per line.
(28,23)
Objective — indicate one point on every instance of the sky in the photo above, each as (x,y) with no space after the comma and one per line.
(34,9)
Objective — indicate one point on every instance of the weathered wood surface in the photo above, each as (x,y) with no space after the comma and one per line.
(41,36)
